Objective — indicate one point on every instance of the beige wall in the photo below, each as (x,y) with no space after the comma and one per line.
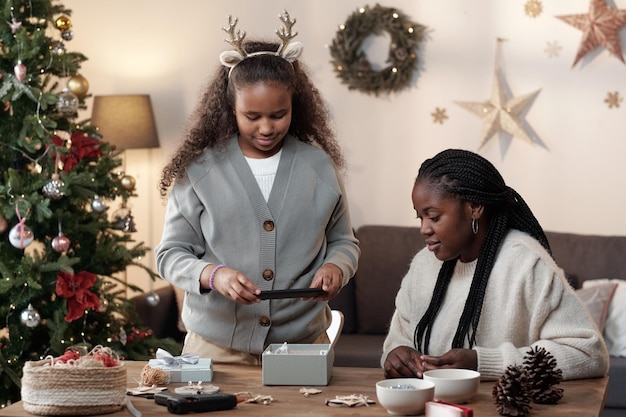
(169,49)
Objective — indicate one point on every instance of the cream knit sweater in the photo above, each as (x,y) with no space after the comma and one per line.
(528,302)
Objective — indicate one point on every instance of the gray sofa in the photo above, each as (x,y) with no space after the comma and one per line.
(368,301)
(386,251)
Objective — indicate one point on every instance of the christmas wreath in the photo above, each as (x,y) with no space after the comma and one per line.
(351,63)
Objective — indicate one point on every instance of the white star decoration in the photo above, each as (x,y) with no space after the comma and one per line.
(502,114)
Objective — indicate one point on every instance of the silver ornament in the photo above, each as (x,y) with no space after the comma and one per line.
(153,299)
(21,236)
(30,317)
(67,103)
(68,35)
(52,189)
(57,48)
(98,205)
(124,220)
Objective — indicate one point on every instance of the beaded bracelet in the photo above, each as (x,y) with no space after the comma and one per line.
(212,276)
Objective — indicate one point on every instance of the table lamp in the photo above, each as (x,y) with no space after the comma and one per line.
(126,121)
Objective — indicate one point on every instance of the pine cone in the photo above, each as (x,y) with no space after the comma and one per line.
(543,375)
(512,392)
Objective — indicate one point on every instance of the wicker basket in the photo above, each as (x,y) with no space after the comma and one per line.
(73,390)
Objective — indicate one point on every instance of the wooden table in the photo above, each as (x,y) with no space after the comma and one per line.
(582,398)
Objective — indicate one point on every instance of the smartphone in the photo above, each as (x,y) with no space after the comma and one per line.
(195,403)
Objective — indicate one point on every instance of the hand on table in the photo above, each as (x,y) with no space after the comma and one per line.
(454,358)
(403,361)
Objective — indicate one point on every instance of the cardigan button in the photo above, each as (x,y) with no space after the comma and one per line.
(268,225)
(264,321)
(268,275)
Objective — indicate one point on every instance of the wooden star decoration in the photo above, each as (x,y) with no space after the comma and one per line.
(439,115)
(600,28)
(502,114)
(613,99)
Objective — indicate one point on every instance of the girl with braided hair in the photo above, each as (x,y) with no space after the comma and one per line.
(256,202)
(486,288)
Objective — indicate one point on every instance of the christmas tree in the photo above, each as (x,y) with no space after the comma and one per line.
(61,252)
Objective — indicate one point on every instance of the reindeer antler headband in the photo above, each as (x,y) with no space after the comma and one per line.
(287,50)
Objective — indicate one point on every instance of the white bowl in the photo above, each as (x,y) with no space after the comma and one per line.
(404,396)
(454,385)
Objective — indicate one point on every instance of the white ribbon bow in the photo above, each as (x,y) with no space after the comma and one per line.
(166,358)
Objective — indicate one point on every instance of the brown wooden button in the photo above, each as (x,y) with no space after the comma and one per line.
(268,225)
(264,321)
(268,275)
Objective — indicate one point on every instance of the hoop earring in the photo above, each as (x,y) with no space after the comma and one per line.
(474,226)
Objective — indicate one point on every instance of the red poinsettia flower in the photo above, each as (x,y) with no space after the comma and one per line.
(83,146)
(76,289)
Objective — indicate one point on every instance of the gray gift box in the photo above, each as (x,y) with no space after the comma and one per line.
(297,364)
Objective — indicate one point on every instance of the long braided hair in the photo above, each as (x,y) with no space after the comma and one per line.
(470,177)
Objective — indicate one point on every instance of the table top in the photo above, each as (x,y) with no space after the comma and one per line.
(582,398)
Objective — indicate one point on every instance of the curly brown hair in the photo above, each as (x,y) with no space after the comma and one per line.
(213,121)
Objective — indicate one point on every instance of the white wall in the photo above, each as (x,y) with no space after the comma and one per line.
(169,49)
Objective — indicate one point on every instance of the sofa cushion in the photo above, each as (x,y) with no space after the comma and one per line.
(588,256)
(596,300)
(614,328)
(386,253)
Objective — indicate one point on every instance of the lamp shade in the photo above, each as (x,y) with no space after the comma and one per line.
(126,121)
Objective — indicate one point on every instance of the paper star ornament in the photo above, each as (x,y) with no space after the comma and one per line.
(503,114)
(600,28)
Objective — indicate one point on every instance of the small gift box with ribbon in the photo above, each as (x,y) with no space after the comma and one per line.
(183,368)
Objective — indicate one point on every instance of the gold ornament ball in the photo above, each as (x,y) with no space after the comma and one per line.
(128,183)
(78,85)
(63,23)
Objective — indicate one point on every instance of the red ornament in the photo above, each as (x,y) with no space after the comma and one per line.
(60,243)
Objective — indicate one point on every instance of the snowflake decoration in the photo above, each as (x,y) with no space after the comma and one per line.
(553,49)
(439,115)
(533,8)
(613,99)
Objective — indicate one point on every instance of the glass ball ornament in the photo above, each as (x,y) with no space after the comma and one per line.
(78,85)
(20,71)
(123,220)
(52,189)
(153,299)
(60,243)
(98,205)
(63,23)
(68,35)
(67,103)
(30,317)
(57,48)
(128,182)
(21,236)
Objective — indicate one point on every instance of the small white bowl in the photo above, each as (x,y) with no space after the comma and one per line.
(454,385)
(404,396)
